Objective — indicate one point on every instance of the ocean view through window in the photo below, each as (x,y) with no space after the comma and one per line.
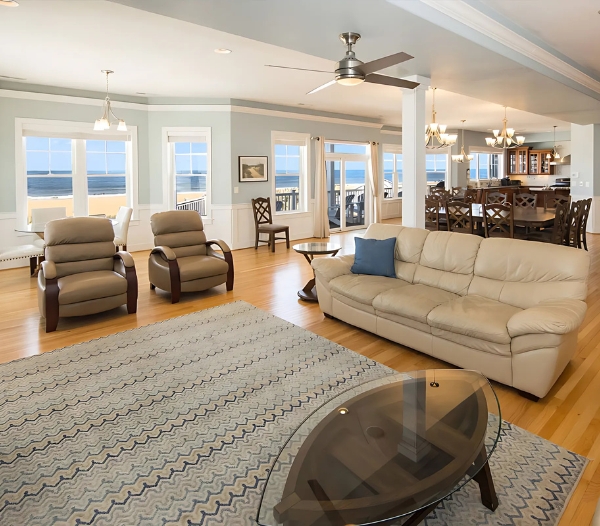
(290,151)
(485,166)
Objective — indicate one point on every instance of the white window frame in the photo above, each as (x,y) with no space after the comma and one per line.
(169,175)
(448,172)
(395,149)
(78,132)
(297,139)
(484,150)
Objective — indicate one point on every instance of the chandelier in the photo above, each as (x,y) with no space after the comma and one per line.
(438,132)
(506,137)
(463,157)
(554,153)
(105,122)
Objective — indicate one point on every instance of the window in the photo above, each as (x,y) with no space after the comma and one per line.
(435,165)
(291,179)
(392,172)
(341,147)
(189,169)
(485,165)
(66,165)
(106,168)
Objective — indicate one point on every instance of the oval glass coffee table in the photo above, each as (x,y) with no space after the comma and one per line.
(310,250)
(385,451)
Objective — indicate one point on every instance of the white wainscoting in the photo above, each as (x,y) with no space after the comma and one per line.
(391,208)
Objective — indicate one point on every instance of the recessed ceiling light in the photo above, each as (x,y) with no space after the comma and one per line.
(223,51)
(9,3)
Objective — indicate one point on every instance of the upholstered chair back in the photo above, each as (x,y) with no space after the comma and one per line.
(180,230)
(80,244)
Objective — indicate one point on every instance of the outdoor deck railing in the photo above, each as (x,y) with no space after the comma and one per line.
(286,201)
(197,205)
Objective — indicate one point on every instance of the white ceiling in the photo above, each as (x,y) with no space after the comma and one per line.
(66,43)
(571,27)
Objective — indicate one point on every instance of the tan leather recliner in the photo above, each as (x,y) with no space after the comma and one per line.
(82,274)
(182,259)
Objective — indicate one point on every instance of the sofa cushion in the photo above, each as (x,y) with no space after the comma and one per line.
(502,349)
(374,257)
(86,286)
(363,288)
(474,316)
(414,302)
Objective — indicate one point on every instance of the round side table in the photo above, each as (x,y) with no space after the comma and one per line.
(310,250)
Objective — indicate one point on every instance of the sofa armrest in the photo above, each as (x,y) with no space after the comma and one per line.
(330,268)
(166,253)
(559,316)
(220,243)
(49,269)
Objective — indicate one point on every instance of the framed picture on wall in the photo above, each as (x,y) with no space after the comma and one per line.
(253,169)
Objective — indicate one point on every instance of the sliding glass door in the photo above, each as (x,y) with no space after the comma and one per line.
(346,191)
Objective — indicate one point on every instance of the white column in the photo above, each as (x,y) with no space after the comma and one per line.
(585,169)
(414,175)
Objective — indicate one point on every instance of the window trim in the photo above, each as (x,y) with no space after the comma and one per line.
(304,180)
(395,149)
(71,130)
(168,176)
(490,151)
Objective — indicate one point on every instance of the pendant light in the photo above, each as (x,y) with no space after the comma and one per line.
(505,138)
(105,122)
(463,157)
(554,155)
(435,132)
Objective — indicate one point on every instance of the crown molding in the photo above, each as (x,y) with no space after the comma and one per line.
(470,16)
(231,108)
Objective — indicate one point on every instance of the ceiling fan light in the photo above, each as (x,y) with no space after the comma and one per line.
(350,81)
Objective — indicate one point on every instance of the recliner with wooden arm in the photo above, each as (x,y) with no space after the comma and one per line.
(182,259)
(81,273)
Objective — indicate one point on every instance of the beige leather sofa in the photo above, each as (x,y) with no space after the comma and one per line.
(183,260)
(82,274)
(508,308)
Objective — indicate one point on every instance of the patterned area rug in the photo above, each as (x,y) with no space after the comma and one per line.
(177,423)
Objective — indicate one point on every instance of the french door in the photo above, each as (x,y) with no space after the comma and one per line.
(347,196)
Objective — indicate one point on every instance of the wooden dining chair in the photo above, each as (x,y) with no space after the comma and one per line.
(557,232)
(571,231)
(526,200)
(432,213)
(470,196)
(550,201)
(459,216)
(498,220)
(456,190)
(586,205)
(263,223)
(496,198)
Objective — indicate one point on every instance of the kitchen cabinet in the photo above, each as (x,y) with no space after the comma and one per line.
(524,161)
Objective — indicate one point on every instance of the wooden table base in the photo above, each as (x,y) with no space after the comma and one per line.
(309,292)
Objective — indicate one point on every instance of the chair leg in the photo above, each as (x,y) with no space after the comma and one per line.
(152,286)
(32,265)
(287,237)
(124,248)
(256,241)
(132,289)
(272,241)
(230,275)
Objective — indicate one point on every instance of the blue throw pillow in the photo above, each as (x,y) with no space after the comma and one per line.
(374,257)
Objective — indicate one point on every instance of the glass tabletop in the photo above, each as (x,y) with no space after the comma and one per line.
(383,450)
(316,248)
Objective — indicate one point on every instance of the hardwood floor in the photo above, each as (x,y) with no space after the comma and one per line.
(569,415)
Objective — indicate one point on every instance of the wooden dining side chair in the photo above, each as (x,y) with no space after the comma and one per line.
(432,213)
(551,201)
(526,200)
(498,220)
(470,196)
(571,231)
(459,216)
(263,224)
(496,198)
(584,213)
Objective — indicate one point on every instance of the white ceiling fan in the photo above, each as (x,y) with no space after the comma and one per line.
(350,71)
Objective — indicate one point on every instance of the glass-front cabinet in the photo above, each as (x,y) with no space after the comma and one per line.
(524,161)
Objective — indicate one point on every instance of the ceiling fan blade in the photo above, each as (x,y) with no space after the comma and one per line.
(385,62)
(299,69)
(326,85)
(390,81)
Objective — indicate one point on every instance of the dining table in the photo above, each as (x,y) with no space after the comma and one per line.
(526,217)
(38,228)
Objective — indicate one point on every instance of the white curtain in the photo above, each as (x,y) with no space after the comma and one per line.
(321,218)
(374,182)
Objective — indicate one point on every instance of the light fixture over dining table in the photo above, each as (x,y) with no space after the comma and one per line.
(105,122)
(463,157)
(436,133)
(505,138)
